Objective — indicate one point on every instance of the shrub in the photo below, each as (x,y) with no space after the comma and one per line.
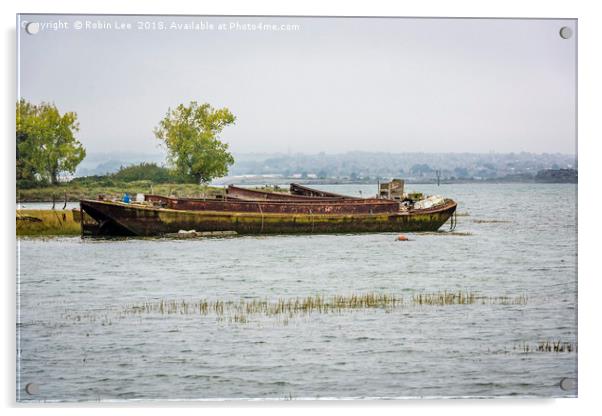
(144,171)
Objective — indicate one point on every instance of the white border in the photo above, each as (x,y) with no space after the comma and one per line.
(590,28)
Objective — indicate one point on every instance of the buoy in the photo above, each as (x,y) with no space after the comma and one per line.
(402,237)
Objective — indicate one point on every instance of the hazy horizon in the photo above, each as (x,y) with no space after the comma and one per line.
(286,153)
(332,85)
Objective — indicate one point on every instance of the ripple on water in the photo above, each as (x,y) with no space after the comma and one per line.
(451,350)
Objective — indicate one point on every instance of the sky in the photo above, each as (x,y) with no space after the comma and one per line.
(310,84)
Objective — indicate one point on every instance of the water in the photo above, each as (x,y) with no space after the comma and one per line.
(46,205)
(77,346)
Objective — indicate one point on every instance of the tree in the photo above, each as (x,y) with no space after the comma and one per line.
(25,170)
(191,135)
(46,143)
(143,171)
(421,169)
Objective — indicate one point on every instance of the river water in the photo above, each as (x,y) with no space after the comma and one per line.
(75,343)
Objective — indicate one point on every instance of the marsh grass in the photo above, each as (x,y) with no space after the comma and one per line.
(547,346)
(46,222)
(465,298)
(290,307)
(285,309)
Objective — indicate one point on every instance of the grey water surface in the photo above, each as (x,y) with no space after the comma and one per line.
(76,344)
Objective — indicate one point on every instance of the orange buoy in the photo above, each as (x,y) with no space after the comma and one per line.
(402,237)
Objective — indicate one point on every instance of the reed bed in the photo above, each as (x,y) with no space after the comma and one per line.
(293,306)
(239,311)
(465,298)
(548,346)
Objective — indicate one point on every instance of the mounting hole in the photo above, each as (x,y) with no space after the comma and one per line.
(32,388)
(32,28)
(568,384)
(566,32)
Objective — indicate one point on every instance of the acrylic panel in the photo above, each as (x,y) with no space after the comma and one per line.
(272,207)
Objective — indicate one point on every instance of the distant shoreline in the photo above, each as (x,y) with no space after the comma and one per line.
(75,193)
(280,181)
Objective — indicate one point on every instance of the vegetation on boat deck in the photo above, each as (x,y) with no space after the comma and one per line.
(46,222)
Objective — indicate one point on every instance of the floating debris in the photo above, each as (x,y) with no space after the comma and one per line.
(456,233)
(200,234)
(402,237)
(491,221)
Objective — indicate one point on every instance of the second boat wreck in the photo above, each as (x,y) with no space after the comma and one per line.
(245,211)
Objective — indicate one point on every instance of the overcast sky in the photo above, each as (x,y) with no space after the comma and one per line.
(327,84)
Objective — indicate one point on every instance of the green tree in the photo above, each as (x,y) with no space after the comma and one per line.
(46,143)
(26,172)
(191,135)
(143,171)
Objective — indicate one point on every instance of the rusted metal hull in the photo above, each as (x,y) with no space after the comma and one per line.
(309,206)
(254,194)
(297,189)
(116,218)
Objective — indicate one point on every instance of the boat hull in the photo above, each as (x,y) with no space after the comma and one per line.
(301,190)
(309,206)
(254,194)
(116,218)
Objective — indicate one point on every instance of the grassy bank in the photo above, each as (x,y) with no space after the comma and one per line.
(77,191)
(45,222)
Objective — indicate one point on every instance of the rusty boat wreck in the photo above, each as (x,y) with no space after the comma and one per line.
(249,211)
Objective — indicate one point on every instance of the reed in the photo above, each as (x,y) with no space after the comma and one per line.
(547,346)
(465,298)
(40,222)
(287,308)
(555,346)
